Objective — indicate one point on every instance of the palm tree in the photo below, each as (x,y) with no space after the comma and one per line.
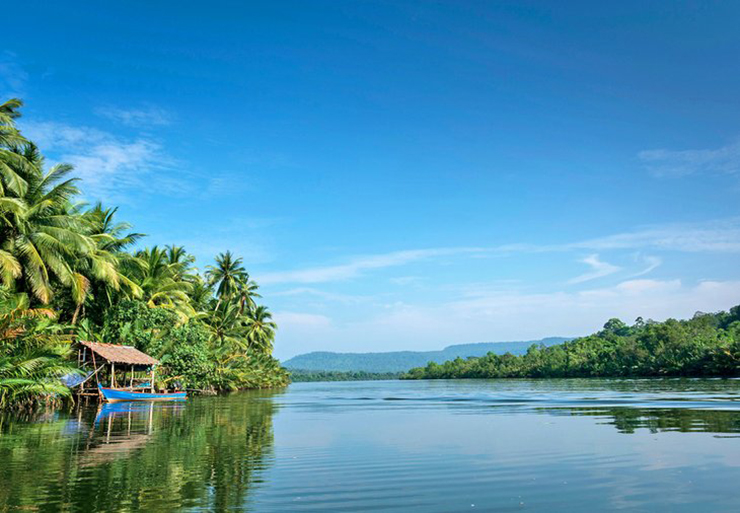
(40,231)
(181,263)
(44,233)
(247,294)
(201,295)
(12,163)
(227,327)
(161,283)
(33,356)
(108,267)
(260,329)
(228,275)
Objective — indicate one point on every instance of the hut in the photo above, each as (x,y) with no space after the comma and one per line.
(124,367)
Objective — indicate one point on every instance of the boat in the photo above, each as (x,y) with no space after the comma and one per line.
(113,395)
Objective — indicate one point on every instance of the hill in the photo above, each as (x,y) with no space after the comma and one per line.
(402,361)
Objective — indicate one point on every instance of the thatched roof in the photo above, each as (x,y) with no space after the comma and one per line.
(115,353)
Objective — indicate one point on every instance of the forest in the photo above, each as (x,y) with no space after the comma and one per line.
(707,345)
(74,271)
(299,375)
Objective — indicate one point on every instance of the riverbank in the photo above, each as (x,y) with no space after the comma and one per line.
(707,345)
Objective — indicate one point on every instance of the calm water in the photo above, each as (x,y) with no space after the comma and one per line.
(551,445)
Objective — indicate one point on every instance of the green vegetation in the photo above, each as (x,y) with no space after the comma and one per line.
(706,345)
(402,361)
(300,375)
(70,271)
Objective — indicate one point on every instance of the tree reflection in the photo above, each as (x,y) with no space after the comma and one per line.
(205,453)
(684,420)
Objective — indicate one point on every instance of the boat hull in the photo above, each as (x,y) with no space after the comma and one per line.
(113,395)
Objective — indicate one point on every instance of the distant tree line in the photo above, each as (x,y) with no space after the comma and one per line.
(707,345)
(298,375)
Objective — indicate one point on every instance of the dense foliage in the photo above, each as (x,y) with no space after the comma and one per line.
(299,375)
(402,361)
(71,271)
(706,345)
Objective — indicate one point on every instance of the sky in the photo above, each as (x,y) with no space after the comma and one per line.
(409,175)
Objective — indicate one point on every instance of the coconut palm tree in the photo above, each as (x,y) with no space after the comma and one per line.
(228,276)
(162,284)
(45,233)
(201,295)
(227,327)
(12,163)
(247,294)
(33,356)
(108,268)
(260,329)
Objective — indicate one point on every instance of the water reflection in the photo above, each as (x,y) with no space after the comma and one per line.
(683,420)
(552,445)
(152,457)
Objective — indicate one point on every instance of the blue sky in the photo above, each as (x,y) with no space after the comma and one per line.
(408,175)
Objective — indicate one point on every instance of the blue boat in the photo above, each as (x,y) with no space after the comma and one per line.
(113,395)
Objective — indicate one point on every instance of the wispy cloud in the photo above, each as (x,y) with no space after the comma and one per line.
(13,77)
(721,236)
(301,321)
(358,265)
(506,315)
(136,117)
(713,236)
(599,269)
(321,294)
(651,262)
(663,162)
(109,165)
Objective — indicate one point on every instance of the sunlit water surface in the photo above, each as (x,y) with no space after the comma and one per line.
(500,445)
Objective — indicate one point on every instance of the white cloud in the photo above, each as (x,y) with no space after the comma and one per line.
(356,266)
(652,263)
(723,160)
(288,320)
(599,269)
(329,296)
(137,118)
(108,165)
(713,236)
(509,315)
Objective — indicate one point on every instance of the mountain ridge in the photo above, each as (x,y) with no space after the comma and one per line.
(401,361)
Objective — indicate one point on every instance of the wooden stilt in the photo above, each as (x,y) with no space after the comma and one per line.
(97,380)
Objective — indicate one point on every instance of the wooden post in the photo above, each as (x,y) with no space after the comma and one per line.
(112,375)
(97,380)
(131,383)
(152,383)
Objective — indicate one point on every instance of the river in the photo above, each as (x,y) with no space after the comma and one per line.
(498,445)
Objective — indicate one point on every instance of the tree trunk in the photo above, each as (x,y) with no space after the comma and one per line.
(77,312)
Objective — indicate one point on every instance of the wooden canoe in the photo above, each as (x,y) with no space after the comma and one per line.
(113,395)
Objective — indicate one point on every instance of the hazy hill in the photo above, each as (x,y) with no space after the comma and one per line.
(400,361)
